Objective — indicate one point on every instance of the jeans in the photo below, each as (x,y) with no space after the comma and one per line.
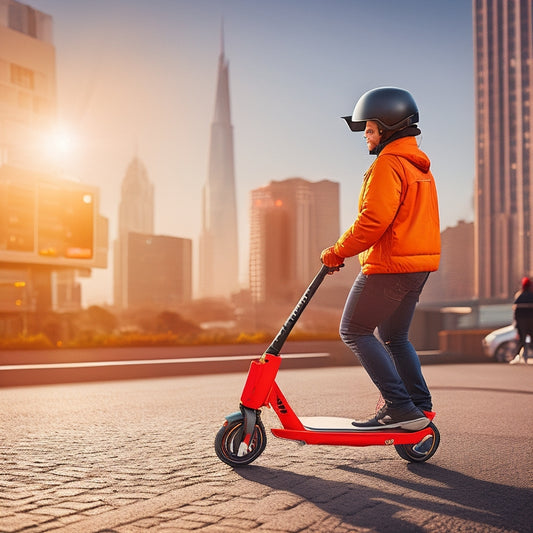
(524,326)
(387,302)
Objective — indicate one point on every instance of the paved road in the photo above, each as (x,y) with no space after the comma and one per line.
(132,456)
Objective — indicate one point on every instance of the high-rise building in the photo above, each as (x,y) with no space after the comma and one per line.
(136,215)
(27,86)
(291,222)
(50,228)
(159,271)
(151,271)
(136,209)
(219,262)
(454,280)
(503,61)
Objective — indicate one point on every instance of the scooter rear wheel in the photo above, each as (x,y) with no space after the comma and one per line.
(421,451)
(229,438)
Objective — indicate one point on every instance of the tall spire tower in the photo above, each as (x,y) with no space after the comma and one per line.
(219,262)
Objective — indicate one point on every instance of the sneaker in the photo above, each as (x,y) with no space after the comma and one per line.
(410,418)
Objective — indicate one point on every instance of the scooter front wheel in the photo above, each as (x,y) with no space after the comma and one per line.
(228,443)
(423,450)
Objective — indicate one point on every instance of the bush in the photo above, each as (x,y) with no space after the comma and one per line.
(26,342)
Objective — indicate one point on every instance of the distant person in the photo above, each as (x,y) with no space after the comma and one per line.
(397,237)
(523,318)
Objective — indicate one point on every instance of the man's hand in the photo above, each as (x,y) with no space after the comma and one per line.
(331,259)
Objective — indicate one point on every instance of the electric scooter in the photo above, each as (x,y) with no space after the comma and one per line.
(242,438)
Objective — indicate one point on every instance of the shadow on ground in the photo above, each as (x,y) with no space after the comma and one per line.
(444,496)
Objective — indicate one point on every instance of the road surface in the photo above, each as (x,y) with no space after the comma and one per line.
(136,456)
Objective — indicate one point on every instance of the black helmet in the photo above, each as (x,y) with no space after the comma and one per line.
(392,108)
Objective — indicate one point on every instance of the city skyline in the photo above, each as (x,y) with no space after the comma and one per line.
(140,78)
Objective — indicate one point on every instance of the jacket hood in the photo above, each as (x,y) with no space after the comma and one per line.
(407,148)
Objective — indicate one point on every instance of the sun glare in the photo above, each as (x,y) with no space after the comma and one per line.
(60,144)
(63,141)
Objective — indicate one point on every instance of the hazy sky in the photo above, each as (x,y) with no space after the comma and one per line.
(139,77)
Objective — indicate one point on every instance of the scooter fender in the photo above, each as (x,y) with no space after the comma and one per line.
(234,417)
(249,416)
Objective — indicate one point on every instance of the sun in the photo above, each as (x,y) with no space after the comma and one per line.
(60,145)
(62,142)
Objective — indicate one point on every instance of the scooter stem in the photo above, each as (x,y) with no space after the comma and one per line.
(284,332)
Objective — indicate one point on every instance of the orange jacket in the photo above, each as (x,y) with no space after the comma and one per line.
(397,228)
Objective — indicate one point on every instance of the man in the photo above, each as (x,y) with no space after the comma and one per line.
(397,237)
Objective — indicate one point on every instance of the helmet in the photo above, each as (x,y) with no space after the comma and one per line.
(526,283)
(392,108)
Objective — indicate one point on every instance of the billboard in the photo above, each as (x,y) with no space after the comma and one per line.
(65,221)
(46,221)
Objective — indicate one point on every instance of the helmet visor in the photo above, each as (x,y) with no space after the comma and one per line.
(357,125)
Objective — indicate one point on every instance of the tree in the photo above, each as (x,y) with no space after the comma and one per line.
(168,321)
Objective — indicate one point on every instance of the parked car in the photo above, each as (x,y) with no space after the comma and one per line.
(501,344)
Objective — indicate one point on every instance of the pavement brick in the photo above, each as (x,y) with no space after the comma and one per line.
(64,493)
(98,510)
(130,528)
(77,505)
(237,524)
(19,522)
(56,511)
(181,525)
(147,523)
(17,495)
(293,519)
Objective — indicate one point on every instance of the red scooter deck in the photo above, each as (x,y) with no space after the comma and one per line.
(339,431)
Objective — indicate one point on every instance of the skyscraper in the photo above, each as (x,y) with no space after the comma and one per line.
(151,271)
(50,228)
(136,210)
(503,61)
(219,262)
(27,86)
(292,221)
(454,280)
(159,271)
(136,215)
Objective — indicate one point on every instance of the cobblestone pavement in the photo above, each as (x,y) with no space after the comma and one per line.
(138,456)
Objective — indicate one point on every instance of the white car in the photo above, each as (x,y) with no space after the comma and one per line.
(501,344)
